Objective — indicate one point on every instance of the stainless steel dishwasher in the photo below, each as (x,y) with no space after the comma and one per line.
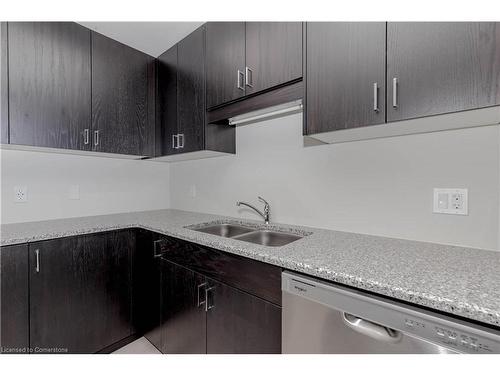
(319,317)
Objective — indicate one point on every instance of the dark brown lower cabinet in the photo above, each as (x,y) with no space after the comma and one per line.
(93,293)
(239,323)
(14,314)
(80,292)
(201,314)
(183,318)
(146,287)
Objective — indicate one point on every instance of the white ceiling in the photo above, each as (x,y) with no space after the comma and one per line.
(152,38)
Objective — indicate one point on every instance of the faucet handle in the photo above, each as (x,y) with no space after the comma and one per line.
(263,201)
(267,210)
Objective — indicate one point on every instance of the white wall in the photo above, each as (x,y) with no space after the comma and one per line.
(106,185)
(381,187)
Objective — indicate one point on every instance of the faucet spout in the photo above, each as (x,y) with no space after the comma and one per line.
(265,215)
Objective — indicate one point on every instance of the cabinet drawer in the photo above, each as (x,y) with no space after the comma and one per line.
(260,279)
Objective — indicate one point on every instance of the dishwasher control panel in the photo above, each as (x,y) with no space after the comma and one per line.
(464,342)
(448,335)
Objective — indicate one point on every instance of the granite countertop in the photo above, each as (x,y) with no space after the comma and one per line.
(457,280)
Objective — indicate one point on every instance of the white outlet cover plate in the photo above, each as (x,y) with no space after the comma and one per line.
(20,194)
(451,201)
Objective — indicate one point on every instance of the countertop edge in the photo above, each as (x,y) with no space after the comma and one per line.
(451,306)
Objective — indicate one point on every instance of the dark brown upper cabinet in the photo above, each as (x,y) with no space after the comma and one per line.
(167,101)
(191,91)
(4,81)
(345,78)
(182,103)
(14,314)
(123,97)
(246,58)
(441,67)
(49,84)
(273,54)
(225,61)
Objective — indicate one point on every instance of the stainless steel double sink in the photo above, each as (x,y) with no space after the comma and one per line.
(257,236)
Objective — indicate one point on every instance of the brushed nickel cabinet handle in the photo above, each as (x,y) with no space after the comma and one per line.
(157,249)
(181,140)
(375,97)
(96,138)
(175,140)
(395,92)
(37,254)
(240,79)
(208,306)
(248,77)
(86,136)
(201,302)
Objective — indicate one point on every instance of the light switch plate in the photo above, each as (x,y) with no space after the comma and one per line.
(451,201)
(20,194)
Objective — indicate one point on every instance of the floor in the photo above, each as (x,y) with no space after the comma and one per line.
(139,346)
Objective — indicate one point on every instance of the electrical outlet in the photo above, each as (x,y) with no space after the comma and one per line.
(20,194)
(451,201)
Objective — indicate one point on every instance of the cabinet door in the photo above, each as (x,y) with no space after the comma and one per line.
(441,67)
(225,61)
(240,323)
(14,336)
(191,91)
(273,54)
(122,106)
(345,75)
(146,287)
(167,101)
(49,84)
(183,317)
(4,98)
(80,292)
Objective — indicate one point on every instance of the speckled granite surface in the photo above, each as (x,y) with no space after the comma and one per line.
(461,281)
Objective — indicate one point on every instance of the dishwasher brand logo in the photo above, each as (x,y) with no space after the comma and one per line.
(300,289)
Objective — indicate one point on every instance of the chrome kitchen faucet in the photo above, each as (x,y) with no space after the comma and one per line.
(267,209)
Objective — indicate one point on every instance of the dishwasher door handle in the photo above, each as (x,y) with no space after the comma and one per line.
(373,330)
